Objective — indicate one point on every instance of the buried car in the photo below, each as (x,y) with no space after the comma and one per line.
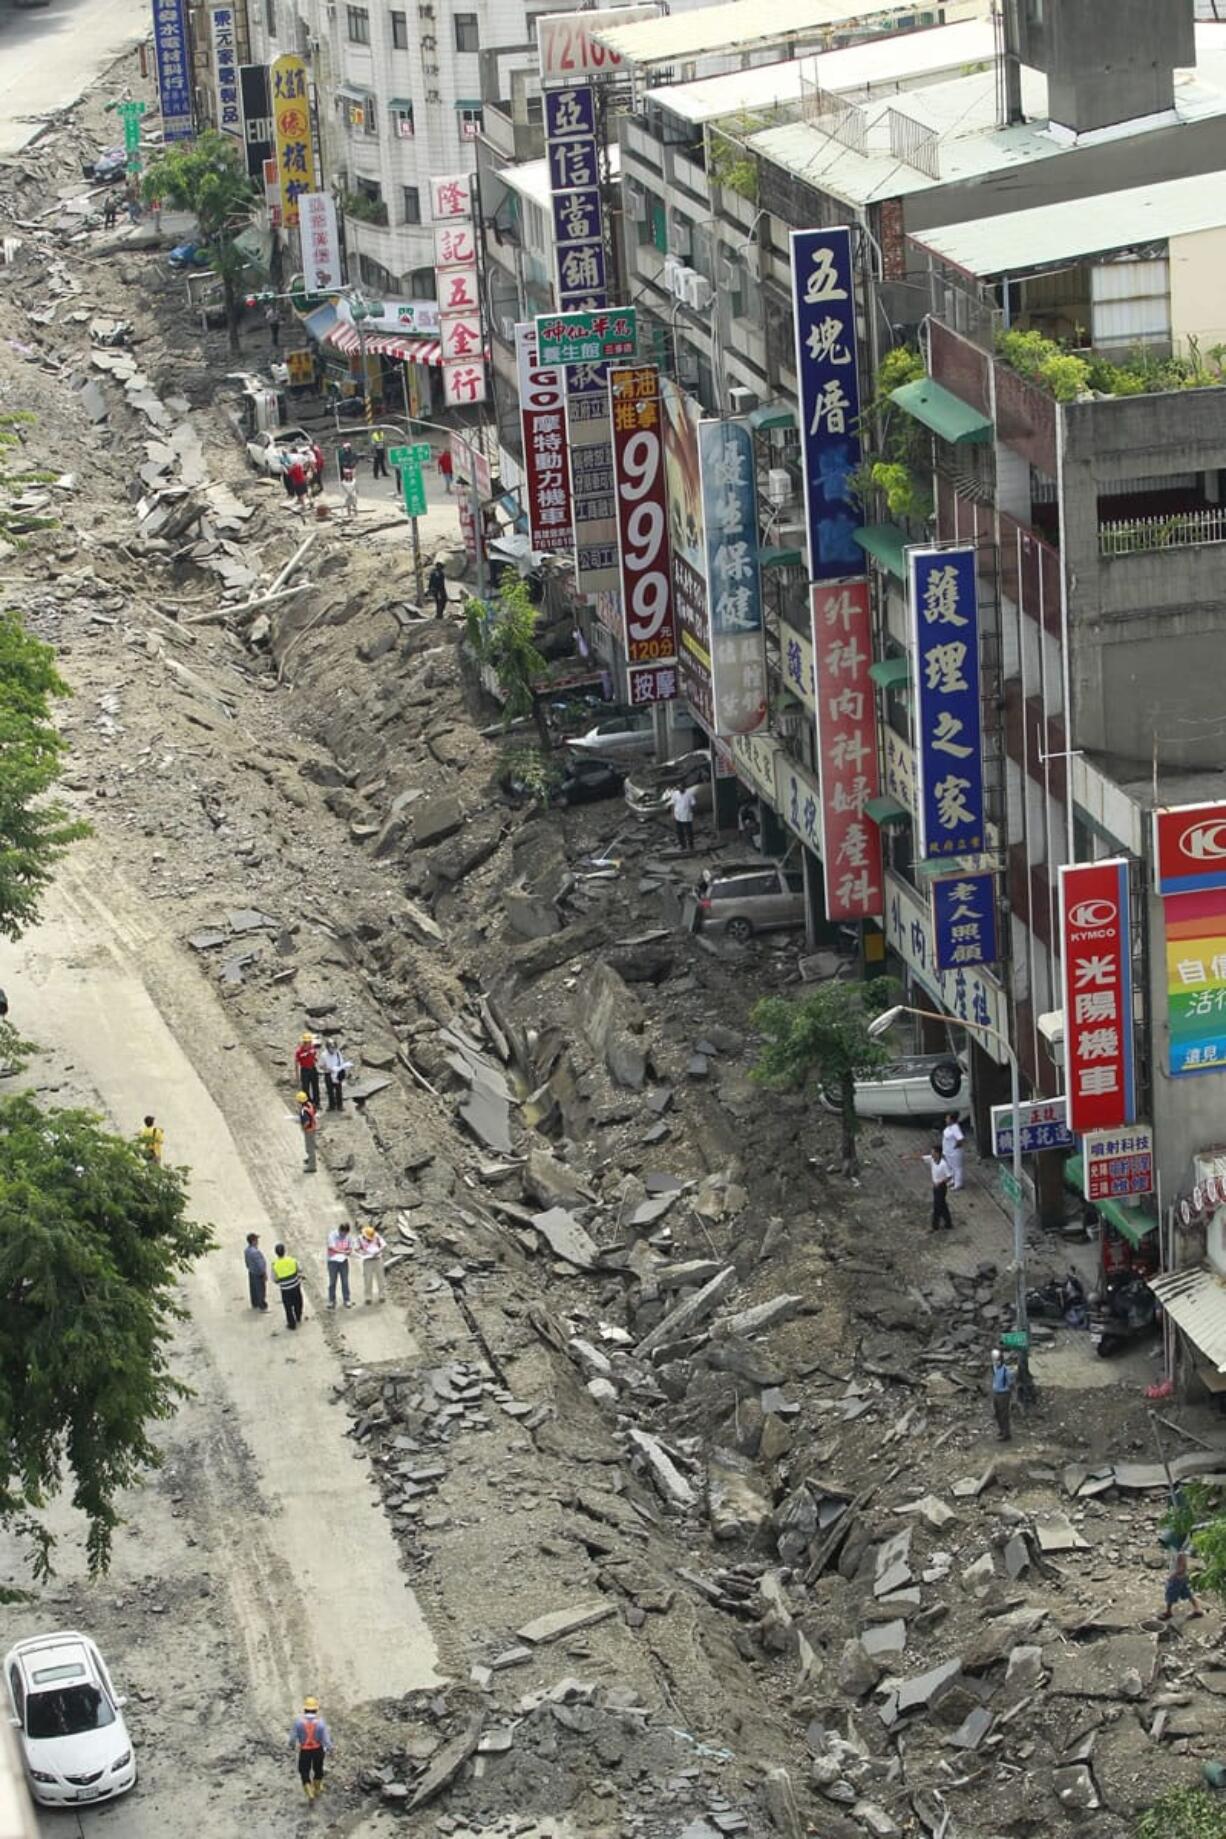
(752,897)
(69,1719)
(915,1085)
(649,787)
(580,782)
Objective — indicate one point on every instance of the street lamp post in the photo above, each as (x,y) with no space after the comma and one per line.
(878,1026)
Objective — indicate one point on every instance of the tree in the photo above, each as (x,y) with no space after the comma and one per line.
(1185,1813)
(822,1040)
(33,833)
(208,177)
(504,637)
(94,1245)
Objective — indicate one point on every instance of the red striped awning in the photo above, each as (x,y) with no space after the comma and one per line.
(412,350)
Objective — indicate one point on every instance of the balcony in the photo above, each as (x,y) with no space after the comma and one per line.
(1181,530)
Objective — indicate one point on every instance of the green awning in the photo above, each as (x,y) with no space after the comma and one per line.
(946,414)
(891,673)
(1135,1224)
(887,811)
(781,558)
(773,415)
(402,102)
(937,865)
(887,544)
(475,105)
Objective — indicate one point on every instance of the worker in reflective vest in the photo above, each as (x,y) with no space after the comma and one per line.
(288,1279)
(310,1736)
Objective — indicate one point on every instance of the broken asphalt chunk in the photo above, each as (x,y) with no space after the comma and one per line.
(559,1622)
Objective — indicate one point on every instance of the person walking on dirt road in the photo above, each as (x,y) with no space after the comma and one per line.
(310,1736)
(257,1272)
(682,799)
(942,1175)
(288,1279)
(436,587)
(340,1247)
(371,1247)
(1178,1588)
(306,1066)
(152,1140)
(308,1117)
(1002,1395)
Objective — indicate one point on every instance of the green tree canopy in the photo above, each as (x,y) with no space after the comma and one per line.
(208,177)
(94,1245)
(822,1040)
(504,637)
(33,833)
(1185,1813)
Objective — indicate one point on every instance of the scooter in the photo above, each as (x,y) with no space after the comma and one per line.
(1125,1308)
(1060,1299)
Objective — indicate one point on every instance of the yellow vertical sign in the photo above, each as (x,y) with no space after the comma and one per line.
(291,120)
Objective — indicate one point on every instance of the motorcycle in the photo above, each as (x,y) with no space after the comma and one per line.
(1122,1310)
(1060,1299)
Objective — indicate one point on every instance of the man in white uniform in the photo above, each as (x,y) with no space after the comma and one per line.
(952,1139)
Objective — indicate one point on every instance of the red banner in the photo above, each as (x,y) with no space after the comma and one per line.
(847,750)
(1097,972)
(642,531)
(542,411)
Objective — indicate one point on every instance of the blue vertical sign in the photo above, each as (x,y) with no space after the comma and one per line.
(730,515)
(573,153)
(171,49)
(948,713)
(964,920)
(824,309)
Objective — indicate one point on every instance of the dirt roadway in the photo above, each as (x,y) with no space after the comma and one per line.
(278,1514)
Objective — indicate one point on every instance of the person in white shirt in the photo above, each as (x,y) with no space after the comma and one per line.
(335,1067)
(683,798)
(371,1247)
(941,1177)
(340,1246)
(952,1139)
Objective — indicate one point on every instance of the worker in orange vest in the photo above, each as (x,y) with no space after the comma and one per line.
(306,1065)
(310,1736)
(308,1118)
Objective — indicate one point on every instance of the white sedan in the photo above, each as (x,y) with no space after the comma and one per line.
(74,1741)
(920,1086)
(267,451)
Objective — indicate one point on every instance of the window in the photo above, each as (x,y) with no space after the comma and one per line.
(412,203)
(470,123)
(370,189)
(270,17)
(402,120)
(370,117)
(467,37)
(359,25)
(374,275)
(400,31)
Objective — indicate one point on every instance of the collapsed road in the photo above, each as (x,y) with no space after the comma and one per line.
(661,1500)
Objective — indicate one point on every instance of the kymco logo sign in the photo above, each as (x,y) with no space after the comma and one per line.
(1190,849)
(1096,958)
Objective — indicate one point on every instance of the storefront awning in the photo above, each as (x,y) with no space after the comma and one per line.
(771,415)
(947,415)
(887,545)
(891,673)
(378,344)
(1195,1299)
(887,811)
(1135,1224)
(781,558)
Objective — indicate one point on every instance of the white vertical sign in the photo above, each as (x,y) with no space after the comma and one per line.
(321,252)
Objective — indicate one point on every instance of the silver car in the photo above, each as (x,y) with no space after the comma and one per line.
(918,1085)
(760,897)
(267,452)
(647,789)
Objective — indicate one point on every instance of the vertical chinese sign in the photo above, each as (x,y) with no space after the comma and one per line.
(321,255)
(1190,875)
(459,292)
(225,69)
(579,240)
(257,116)
(847,749)
(734,585)
(687,541)
(642,533)
(1096,941)
(291,120)
(944,605)
(824,311)
(172,56)
(964,920)
(542,411)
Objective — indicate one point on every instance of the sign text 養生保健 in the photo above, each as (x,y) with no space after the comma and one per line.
(734,581)
(588,337)
(1096,937)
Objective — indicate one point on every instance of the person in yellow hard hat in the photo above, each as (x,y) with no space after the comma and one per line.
(371,1247)
(310,1736)
(306,1066)
(308,1118)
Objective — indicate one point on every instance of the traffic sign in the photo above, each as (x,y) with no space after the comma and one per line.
(417,455)
(1009,1185)
(414,488)
(1015,1337)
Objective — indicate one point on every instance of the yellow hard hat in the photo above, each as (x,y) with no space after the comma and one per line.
(368,1232)
(310,1704)
(302,1098)
(308,1036)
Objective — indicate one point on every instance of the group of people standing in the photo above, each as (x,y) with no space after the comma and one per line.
(344,1242)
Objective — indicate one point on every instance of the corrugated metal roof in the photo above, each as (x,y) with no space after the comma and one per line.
(1083,227)
(1196,1300)
(739,25)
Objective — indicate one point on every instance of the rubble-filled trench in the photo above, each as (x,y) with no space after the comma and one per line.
(695,1472)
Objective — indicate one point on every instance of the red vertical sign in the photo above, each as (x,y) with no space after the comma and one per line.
(1097,972)
(642,532)
(542,411)
(847,750)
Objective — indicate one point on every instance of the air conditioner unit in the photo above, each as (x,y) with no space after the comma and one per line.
(779,487)
(672,270)
(636,203)
(701,293)
(680,234)
(506,326)
(741,399)
(729,274)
